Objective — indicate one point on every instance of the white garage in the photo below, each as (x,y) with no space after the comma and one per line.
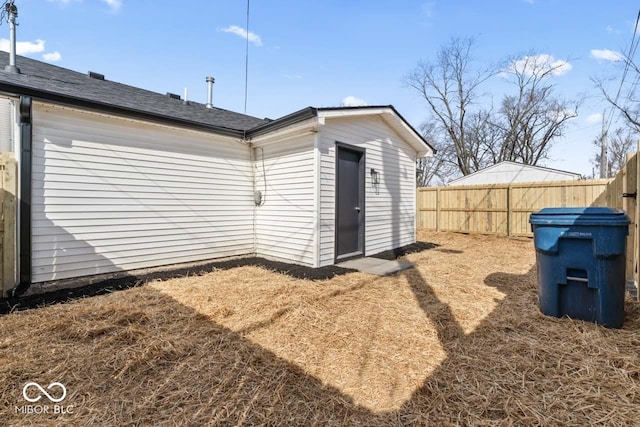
(115,178)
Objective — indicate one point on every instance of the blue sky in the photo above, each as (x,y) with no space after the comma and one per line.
(320,53)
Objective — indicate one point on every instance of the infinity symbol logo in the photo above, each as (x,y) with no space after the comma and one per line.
(43,391)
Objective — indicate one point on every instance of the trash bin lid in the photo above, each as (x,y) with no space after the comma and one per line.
(580,216)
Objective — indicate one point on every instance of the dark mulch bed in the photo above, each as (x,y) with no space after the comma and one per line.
(130,281)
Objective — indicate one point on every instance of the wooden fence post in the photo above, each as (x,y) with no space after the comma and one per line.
(9,222)
(438,210)
(629,206)
(509,210)
(636,242)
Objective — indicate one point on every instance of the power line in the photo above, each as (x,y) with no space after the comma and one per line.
(246,63)
(6,6)
(633,47)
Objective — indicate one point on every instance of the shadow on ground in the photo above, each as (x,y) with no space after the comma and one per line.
(176,366)
(129,281)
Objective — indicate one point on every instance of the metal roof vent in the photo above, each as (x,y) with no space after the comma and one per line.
(173,96)
(12,13)
(210,81)
(95,75)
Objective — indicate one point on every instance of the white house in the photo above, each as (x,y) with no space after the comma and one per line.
(512,172)
(115,178)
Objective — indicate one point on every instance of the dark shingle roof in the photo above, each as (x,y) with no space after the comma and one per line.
(49,82)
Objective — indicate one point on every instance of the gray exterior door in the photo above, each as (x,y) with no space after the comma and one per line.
(349,202)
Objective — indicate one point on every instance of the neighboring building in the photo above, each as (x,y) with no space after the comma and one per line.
(512,172)
(116,178)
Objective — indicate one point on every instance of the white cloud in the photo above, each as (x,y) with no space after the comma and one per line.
(27,48)
(543,62)
(612,30)
(607,55)
(114,5)
(560,115)
(428,8)
(24,48)
(594,118)
(293,76)
(352,101)
(52,56)
(241,32)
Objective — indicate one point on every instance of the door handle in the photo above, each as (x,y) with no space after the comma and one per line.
(357,208)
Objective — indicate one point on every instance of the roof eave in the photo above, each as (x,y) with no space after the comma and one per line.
(423,148)
(282,122)
(39,94)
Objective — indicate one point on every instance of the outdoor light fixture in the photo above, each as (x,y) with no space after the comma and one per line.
(375,177)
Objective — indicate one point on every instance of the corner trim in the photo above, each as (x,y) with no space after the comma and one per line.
(24,203)
(317,202)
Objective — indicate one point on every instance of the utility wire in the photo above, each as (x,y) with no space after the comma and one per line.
(246,63)
(633,47)
(4,10)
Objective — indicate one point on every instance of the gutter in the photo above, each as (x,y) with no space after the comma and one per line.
(298,116)
(24,233)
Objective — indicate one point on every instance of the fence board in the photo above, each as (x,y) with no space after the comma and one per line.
(505,209)
(501,209)
(630,186)
(470,209)
(636,244)
(8,229)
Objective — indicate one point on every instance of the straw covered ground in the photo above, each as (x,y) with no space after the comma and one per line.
(458,340)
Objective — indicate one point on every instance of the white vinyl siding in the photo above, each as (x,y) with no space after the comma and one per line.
(285,226)
(389,208)
(7,126)
(111,195)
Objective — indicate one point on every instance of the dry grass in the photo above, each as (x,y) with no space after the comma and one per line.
(458,340)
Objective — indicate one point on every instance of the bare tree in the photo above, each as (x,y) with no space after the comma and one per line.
(440,168)
(484,139)
(450,86)
(533,117)
(522,129)
(622,141)
(624,97)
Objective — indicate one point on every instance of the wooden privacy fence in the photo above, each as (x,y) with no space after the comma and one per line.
(8,228)
(505,209)
(502,209)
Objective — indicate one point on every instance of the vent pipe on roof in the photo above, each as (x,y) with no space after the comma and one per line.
(12,12)
(210,81)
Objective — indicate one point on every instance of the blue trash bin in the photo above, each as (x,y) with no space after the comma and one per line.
(580,254)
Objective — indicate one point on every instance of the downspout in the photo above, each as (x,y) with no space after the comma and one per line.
(24,234)
(317,203)
(253,188)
